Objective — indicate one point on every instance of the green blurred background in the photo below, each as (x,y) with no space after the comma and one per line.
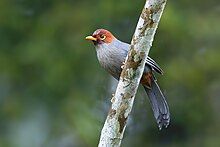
(53,93)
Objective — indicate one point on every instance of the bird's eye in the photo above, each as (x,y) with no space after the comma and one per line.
(102,37)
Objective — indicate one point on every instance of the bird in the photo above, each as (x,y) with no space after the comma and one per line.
(111,54)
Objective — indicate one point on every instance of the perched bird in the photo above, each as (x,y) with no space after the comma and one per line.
(111,54)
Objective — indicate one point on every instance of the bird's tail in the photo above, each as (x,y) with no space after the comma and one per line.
(158,103)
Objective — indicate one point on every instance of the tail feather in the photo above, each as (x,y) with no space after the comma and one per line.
(158,104)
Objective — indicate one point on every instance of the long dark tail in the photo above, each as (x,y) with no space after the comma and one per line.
(158,104)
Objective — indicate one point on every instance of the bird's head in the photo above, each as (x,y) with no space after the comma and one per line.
(101,36)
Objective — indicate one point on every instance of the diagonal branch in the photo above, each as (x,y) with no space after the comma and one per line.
(113,130)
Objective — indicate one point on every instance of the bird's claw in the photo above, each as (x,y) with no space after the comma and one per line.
(113,98)
(123,65)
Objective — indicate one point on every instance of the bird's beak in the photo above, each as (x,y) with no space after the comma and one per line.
(91,38)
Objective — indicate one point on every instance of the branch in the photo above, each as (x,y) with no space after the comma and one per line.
(113,130)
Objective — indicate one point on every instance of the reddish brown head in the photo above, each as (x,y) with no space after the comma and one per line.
(101,36)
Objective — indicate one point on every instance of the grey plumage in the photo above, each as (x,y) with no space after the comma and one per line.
(158,104)
(111,57)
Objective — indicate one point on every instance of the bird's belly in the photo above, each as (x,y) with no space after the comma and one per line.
(111,59)
(113,68)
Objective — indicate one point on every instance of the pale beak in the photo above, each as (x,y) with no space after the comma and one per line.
(91,38)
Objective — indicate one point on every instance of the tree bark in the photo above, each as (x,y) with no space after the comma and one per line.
(122,101)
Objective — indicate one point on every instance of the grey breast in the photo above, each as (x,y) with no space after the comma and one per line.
(111,56)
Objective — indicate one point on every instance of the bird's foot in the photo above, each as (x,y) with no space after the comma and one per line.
(113,98)
(123,65)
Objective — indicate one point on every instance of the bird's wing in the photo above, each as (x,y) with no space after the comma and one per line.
(150,62)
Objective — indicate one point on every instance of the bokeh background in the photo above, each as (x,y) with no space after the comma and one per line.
(53,93)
